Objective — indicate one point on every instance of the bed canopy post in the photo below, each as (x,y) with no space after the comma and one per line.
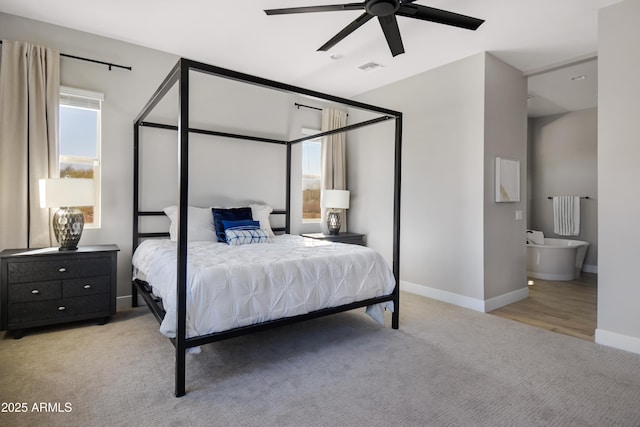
(395,317)
(287,218)
(136,203)
(183,161)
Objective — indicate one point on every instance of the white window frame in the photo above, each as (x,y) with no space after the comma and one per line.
(91,97)
(309,132)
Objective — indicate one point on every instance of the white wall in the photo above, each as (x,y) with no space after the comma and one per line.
(564,161)
(618,176)
(226,172)
(442,175)
(125,92)
(505,135)
(370,179)
(447,179)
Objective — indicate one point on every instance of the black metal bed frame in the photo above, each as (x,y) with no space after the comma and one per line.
(180,75)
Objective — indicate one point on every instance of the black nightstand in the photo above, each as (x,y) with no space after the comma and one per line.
(47,286)
(351,238)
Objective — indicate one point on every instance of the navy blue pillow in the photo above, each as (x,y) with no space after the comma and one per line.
(245,224)
(232,214)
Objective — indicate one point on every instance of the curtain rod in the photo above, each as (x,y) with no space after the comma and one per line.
(95,61)
(308,106)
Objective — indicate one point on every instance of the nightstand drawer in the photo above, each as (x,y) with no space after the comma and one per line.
(57,309)
(87,286)
(34,291)
(57,269)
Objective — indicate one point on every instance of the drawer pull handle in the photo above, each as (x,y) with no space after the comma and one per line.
(35,291)
(62,308)
(87,286)
(62,269)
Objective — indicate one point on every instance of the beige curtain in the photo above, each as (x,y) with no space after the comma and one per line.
(333,158)
(29,98)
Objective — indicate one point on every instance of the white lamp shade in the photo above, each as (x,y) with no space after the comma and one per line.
(66,192)
(335,199)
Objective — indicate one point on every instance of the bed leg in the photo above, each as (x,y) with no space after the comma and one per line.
(180,372)
(134,295)
(395,318)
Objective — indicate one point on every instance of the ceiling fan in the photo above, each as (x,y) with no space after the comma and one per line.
(386,11)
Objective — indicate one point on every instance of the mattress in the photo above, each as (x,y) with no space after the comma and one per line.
(233,286)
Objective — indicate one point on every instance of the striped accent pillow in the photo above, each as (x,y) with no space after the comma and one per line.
(243,236)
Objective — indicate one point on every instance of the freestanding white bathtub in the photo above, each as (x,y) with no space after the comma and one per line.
(557,259)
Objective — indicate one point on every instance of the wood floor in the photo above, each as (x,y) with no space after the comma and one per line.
(568,308)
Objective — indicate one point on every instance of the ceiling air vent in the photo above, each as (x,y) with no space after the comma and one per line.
(370,66)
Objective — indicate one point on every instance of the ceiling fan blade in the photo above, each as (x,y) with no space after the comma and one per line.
(308,9)
(438,15)
(391,31)
(354,25)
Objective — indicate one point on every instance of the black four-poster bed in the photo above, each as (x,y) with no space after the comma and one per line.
(180,75)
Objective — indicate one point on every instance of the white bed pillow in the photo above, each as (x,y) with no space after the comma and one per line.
(261,213)
(199,224)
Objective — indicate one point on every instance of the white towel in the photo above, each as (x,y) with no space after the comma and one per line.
(566,215)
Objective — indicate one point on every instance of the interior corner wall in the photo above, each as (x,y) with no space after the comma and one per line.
(505,135)
(618,176)
(442,207)
(564,161)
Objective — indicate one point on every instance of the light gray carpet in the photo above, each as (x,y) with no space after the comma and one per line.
(446,366)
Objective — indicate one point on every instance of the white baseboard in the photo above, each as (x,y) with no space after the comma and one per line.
(123,303)
(506,299)
(440,295)
(464,301)
(590,268)
(622,342)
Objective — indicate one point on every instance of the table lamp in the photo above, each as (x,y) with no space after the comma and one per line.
(334,200)
(67,194)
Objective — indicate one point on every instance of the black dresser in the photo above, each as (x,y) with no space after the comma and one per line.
(47,286)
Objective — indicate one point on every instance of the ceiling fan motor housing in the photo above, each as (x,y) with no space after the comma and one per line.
(381,7)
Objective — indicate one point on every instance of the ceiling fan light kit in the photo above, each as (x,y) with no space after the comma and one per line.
(386,12)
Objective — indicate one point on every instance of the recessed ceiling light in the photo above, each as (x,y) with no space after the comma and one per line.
(370,66)
(335,56)
(582,77)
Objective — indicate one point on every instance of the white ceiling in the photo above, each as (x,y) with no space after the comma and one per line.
(529,35)
(569,87)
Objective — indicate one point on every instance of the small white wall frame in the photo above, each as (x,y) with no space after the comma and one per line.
(507,180)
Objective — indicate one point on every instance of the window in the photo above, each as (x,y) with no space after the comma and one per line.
(311,150)
(79,139)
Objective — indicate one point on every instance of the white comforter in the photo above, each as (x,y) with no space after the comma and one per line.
(233,286)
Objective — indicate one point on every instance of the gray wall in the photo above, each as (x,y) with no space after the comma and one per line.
(618,176)
(457,244)
(564,149)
